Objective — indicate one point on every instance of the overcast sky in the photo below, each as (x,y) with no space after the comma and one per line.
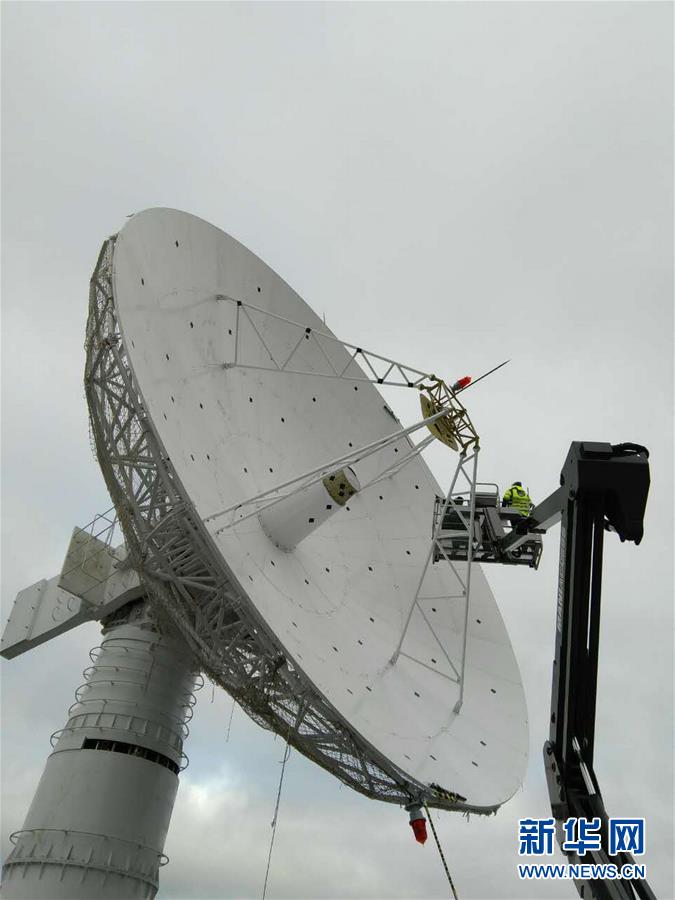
(452,185)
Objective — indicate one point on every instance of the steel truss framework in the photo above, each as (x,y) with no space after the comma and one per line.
(190,587)
(467,467)
(454,428)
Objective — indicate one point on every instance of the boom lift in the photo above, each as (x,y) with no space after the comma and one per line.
(602,488)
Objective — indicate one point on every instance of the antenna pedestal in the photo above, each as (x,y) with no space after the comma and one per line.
(99,818)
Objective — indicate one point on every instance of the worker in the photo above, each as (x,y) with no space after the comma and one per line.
(518,498)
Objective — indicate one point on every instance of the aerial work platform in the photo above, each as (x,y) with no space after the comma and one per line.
(492,523)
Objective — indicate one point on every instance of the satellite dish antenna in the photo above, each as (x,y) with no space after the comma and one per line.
(276,520)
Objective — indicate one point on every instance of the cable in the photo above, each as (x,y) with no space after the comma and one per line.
(438,844)
(287,753)
(229,724)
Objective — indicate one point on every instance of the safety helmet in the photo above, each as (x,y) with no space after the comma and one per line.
(518,483)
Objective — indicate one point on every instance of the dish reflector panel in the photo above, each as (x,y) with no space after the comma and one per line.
(335,605)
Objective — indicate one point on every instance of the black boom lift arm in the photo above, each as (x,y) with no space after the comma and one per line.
(603,488)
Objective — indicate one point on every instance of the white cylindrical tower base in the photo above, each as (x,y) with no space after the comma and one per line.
(292,519)
(99,818)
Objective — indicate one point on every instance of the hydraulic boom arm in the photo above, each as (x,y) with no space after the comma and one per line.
(603,488)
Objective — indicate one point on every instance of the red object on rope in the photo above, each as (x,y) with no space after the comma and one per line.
(462,383)
(419,827)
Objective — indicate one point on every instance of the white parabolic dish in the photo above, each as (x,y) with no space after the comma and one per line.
(336,604)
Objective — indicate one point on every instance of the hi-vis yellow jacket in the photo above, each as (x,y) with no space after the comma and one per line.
(517,497)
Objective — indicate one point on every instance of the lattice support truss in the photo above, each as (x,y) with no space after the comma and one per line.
(189,586)
(467,469)
(455,428)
